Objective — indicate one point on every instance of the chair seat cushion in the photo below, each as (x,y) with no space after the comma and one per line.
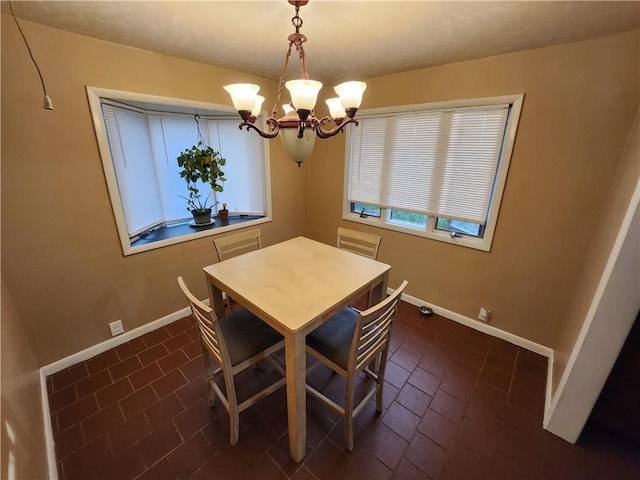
(333,338)
(246,335)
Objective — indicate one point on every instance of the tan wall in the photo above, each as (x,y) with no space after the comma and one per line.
(64,276)
(62,262)
(66,272)
(580,100)
(615,208)
(23,453)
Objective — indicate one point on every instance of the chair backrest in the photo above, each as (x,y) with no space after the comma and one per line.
(373,330)
(234,245)
(210,332)
(365,244)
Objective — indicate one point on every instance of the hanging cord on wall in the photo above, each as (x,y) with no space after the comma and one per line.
(46,100)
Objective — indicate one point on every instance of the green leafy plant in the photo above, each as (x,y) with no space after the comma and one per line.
(201,162)
(195,203)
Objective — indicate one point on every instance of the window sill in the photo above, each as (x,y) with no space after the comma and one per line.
(483,244)
(183,232)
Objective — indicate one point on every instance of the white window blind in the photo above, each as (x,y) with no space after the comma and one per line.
(144,148)
(437,163)
(244,189)
(170,135)
(130,147)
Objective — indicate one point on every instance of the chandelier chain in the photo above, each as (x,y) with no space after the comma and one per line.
(297,20)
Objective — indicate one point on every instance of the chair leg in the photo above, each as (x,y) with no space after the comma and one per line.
(374,365)
(211,395)
(232,410)
(382,359)
(234,416)
(234,427)
(348,414)
(379,401)
(208,367)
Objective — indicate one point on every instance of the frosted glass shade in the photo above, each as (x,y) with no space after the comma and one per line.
(287,108)
(243,95)
(298,149)
(255,111)
(350,93)
(336,110)
(304,93)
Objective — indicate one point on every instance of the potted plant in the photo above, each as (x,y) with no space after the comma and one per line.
(223,213)
(201,162)
(200,210)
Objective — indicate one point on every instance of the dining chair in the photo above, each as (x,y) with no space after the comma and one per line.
(234,245)
(366,244)
(235,342)
(237,244)
(352,342)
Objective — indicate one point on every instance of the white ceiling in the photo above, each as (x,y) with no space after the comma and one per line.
(346,39)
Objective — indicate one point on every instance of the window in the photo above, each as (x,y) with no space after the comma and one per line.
(433,170)
(140,137)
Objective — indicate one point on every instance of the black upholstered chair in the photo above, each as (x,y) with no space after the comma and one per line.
(352,342)
(235,342)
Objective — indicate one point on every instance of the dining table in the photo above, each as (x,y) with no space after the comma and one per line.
(295,286)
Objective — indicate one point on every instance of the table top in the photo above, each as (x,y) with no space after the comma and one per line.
(296,283)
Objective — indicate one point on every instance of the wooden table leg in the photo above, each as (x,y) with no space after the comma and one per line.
(295,358)
(379,292)
(215,299)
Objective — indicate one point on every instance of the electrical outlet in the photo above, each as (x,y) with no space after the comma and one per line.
(484,314)
(116,328)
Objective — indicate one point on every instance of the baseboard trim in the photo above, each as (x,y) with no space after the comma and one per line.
(483,327)
(91,352)
(48,429)
(496,332)
(549,393)
(102,347)
(82,356)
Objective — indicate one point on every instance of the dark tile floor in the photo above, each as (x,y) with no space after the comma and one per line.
(458,404)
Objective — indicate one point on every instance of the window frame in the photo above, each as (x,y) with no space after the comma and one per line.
(430,231)
(181,105)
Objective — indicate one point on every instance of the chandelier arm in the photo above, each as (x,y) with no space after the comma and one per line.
(271,121)
(322,133)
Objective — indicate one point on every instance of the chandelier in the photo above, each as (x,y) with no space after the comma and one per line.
(299,126)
